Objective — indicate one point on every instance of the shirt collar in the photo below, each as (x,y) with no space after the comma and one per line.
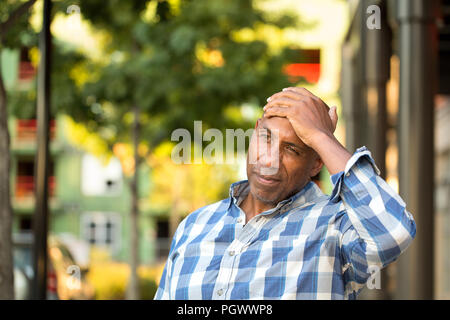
(310,192)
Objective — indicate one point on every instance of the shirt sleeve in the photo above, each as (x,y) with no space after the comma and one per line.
(163,292)
(376,228)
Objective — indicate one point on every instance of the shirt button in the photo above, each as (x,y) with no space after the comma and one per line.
(231,253)
(239,220)
(220,292)
(347,174)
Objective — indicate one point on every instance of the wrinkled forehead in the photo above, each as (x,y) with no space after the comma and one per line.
(282,127)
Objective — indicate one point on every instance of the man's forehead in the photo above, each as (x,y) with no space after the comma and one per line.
(283,127)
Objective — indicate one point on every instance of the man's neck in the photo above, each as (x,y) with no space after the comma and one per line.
(252,206)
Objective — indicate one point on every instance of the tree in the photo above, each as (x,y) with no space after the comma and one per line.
(172,62)
(15,33)
(13,17)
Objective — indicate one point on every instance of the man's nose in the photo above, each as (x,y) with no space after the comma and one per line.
(269,158)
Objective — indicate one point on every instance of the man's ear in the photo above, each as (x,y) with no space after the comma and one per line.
(257,123)
(317,166)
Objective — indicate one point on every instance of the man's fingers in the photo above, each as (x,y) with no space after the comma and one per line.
(282,102)
(276,111)
(301,91)
(288,94)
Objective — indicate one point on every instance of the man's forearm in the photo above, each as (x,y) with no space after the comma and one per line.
(379,228)
(331,151)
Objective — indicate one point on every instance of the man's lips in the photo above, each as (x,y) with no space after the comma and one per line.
(266,180)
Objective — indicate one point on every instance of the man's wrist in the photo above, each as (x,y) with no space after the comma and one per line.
(331,151)
(320,139)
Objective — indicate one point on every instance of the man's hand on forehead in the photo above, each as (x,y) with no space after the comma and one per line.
(307,113)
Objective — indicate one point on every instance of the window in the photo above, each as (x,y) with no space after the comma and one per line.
(101,229)
(25,224)
(25,178)
(98,179)
(306,65)
(162,237)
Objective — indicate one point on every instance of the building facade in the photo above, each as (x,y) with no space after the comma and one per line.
(395,94)
(88,199)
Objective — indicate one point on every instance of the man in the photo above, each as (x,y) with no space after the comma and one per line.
(278,236)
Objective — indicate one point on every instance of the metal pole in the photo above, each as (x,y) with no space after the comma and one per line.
(353,74)
(377,70)
(40,222)
(418,53)
(377,66)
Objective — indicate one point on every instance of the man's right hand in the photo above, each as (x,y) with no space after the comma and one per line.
(308,114)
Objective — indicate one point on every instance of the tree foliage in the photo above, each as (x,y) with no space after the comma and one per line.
(179,61)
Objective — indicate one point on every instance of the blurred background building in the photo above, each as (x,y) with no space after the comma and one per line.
(395,94)
(87,195)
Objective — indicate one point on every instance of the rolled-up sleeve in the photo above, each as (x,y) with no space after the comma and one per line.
(376,228)
(163,292)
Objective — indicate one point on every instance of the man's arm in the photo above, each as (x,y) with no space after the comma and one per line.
(332,152)
(376,228)
(163,291)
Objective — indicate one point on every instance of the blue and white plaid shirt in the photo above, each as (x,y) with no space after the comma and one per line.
(310,246)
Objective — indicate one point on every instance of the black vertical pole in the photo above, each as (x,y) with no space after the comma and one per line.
(353,75)
(418,54)
(40,222)
(377,66)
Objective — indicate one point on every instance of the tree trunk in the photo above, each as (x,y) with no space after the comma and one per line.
(6,258)
(133,290)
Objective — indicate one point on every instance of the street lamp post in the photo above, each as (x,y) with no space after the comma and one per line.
(40,221)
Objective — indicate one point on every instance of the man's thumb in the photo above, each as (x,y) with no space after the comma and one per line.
(333,115)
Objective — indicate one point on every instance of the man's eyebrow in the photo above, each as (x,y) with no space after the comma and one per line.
(287,142)
(296,145)
(268,130)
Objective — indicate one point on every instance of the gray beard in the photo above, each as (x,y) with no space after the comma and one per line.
(265,200)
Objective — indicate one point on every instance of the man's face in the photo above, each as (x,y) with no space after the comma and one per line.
(279,164)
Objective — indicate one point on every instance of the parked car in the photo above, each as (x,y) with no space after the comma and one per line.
(21,284)
(65,279)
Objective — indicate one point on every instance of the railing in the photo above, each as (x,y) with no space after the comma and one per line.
(25,186)
(26,71)
(26,129)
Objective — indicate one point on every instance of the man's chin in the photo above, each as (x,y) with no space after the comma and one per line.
(266,198)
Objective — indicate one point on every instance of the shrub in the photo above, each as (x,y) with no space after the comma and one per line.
(110,280)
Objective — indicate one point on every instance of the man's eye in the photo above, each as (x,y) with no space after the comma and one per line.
(292,149)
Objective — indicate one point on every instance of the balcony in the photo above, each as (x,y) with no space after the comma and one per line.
(26,129)
(24,138)
(24,198)
(26,71)
(25,187)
